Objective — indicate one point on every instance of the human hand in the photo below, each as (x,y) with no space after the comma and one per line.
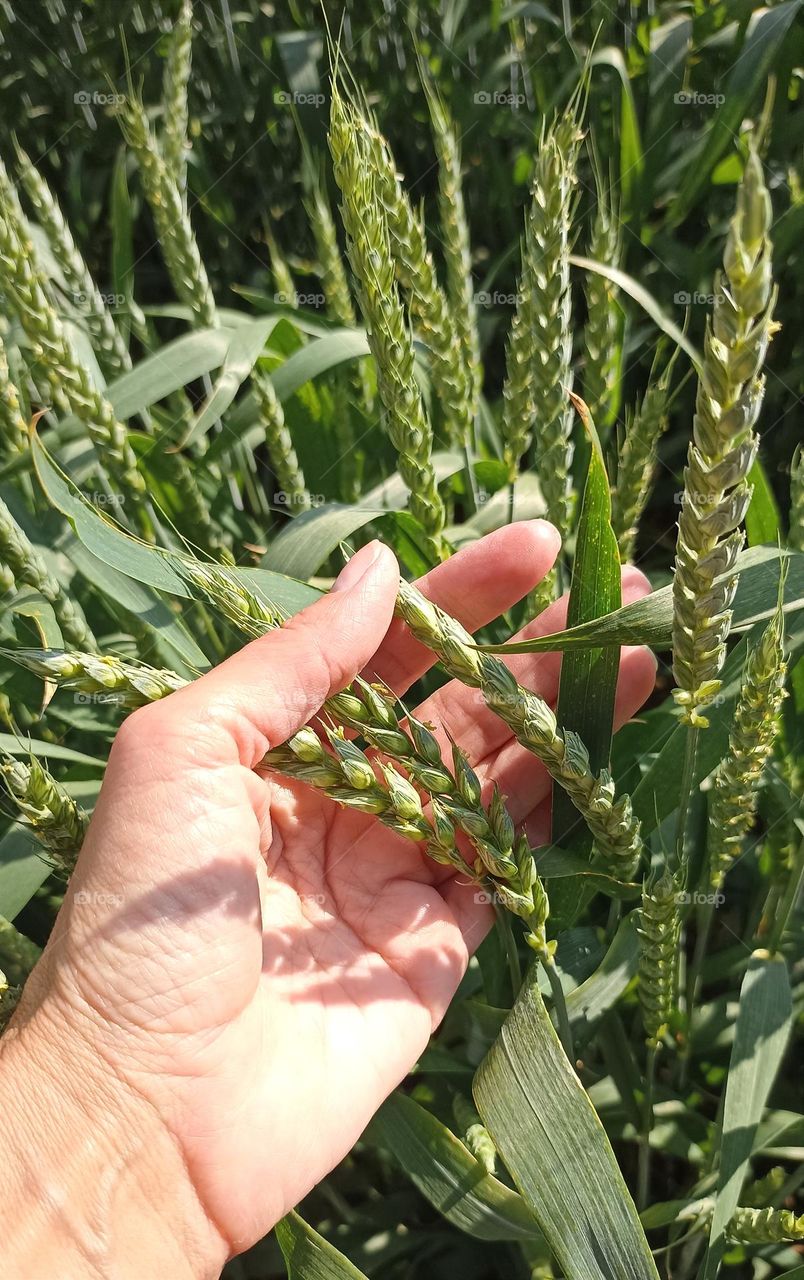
(242,971)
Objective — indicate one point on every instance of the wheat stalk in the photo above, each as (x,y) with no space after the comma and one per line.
(765,1226)
(175,83)
(636,463)
(716,490)
(113,355)
(659,931)
(25,564)
(69,383)
(733,800)
(284,283)
(41,803)
(796,536)
(388,334)
(415,271)
(129,684)
(532,722)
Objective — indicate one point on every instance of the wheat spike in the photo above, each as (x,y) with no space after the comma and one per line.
(40,802)
(53,356)
(129,684)
(113,356)
(636,463)
(175,83)
(27,565)
(13,427)
(331,265)
(610,820)
(601,331)
(474,1133)
(733,800)
(765,1226)
(457,251)
(415,271)
(539,354)
(389,336)
(659,931)
(716,489)
(9,999)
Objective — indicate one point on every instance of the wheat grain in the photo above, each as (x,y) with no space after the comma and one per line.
(130,684)
(10,997)
(113,356)
(532,722)
(389,336)
(659,930)
(636,463)
(27,565)
(175,83)
(765,1226)
(733,799)
(41,803)
(716,490)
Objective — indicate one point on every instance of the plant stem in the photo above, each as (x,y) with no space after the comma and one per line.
(511,493)
(512,955)
(643,1173)
(471,483)
(560,1006)
(788,901)
(687,783)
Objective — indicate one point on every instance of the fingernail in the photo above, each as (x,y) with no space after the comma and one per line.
(357,567)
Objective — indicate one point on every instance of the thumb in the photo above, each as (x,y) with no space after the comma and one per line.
(260,696)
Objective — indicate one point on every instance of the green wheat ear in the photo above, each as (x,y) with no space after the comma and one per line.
(388,332)
(636,461)
(40,802)
(602,328)
(765,1226)
(26,565)
(659,931)
(175,83)
(13,427)
(724,445)
(733,800)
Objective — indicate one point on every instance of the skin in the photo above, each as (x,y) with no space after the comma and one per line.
(242,971)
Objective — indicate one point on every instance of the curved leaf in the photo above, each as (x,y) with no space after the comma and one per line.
(308,1256)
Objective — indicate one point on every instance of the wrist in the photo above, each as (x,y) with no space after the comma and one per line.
(91,1181)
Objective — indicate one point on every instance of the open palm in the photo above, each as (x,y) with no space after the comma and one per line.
(260,965)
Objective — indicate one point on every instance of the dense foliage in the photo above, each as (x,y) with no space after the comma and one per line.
(275,281)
